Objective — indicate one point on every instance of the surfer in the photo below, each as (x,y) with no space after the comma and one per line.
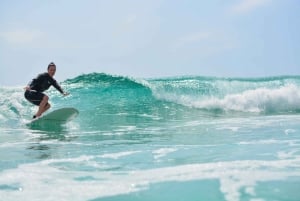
(34,90)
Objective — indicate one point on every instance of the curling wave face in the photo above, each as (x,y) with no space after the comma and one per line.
(100,93)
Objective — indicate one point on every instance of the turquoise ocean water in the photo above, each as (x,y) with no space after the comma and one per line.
(182,138)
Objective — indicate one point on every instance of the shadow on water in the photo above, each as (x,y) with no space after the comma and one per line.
(47,132)
(50,129)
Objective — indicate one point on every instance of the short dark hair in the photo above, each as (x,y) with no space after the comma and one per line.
(51,64)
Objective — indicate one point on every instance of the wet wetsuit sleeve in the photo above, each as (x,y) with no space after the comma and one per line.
(43,81)
(56,85)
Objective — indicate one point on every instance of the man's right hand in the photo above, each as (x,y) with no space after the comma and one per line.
(27,88)
(66,93)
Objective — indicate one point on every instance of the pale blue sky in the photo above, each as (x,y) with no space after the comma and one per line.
(149,38)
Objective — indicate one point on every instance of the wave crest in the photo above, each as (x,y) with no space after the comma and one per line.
(103,80)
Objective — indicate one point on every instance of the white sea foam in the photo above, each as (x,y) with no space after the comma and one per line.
(271,141)
(44,181)
(162,152)
(289,131)
(118,155)
(282,99)
(286,98)
(11,103)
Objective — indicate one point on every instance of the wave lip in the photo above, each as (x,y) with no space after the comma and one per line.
(103,80)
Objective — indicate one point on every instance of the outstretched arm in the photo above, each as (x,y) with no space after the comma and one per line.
(58,87)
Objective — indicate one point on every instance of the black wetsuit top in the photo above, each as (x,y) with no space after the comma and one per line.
(42,82)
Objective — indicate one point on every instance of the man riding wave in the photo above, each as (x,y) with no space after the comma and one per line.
(34,90)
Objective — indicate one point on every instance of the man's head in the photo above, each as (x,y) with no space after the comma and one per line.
(51,69)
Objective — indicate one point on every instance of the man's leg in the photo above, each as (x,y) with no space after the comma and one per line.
(44,106)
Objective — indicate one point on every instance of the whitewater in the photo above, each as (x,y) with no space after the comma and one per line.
(177,138)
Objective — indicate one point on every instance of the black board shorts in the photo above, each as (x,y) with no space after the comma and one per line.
(34,97)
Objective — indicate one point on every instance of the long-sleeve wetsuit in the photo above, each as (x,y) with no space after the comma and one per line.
(42,82)
(38,85)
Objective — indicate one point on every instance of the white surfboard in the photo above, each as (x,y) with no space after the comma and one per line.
(60,115)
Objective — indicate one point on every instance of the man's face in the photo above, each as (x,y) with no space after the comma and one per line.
(51,70)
